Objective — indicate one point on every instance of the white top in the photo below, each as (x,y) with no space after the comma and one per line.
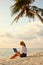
(24,50)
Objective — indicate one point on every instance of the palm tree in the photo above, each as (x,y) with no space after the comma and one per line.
(24,6)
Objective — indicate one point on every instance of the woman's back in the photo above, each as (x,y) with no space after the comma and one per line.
(24,50)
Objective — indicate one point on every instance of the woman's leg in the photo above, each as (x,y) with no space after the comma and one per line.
(15,55)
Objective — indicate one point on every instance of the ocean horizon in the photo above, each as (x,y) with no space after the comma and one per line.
(8,52)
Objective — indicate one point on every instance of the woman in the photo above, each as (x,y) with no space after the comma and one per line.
(23,52)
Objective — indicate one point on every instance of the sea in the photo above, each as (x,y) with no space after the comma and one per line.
(8,52)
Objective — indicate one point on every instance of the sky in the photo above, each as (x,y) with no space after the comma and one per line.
(11,35)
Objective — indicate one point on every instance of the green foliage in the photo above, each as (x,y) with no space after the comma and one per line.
(19,4)
(38,10)
(23,6)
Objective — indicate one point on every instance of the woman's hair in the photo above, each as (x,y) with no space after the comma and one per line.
(22,43)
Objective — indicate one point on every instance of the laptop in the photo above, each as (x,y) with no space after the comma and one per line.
(15,50)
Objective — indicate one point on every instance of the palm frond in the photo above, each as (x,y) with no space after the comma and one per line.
(18,4)
(24,6)
(18,16)
(16,7)
(41,10)
(37,9)
(30,15)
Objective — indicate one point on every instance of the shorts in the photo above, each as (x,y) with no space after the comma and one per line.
(23,55)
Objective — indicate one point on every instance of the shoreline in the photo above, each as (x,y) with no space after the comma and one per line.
(31,59)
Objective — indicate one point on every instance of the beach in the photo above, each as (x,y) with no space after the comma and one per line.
(31,59)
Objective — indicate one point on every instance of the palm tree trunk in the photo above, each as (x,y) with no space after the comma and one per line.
(35,13)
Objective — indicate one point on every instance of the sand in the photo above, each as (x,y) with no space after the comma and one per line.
(32,59)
